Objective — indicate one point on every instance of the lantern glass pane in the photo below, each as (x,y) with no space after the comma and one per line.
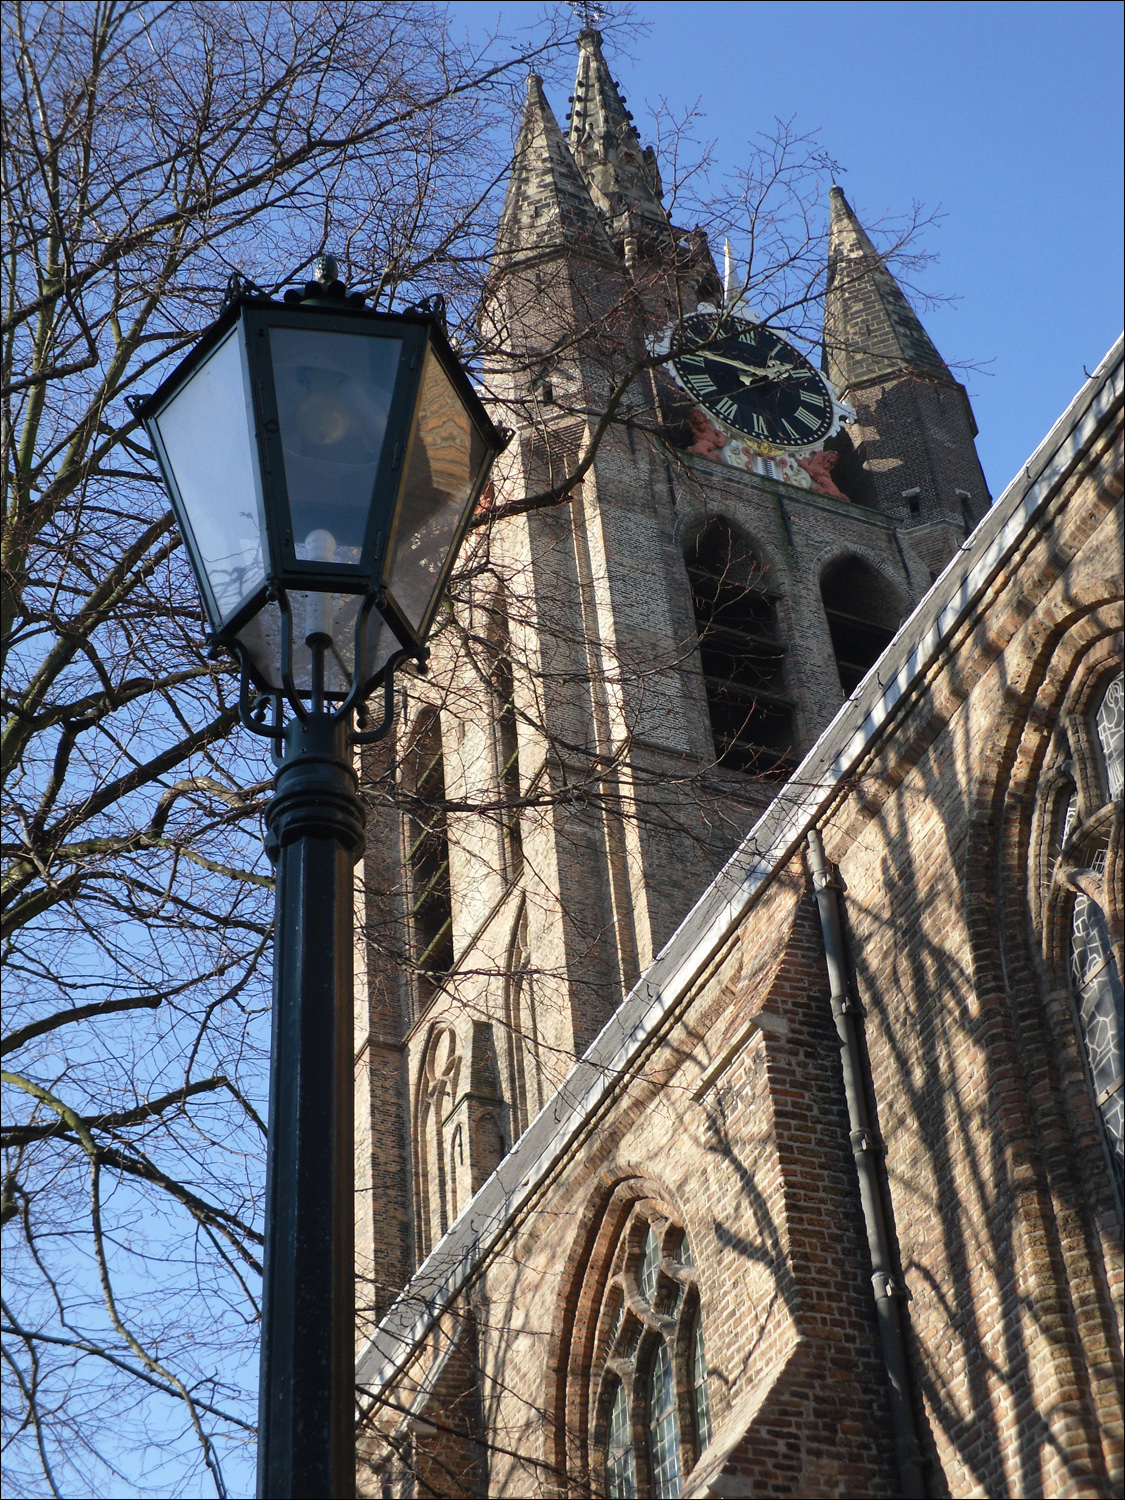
(330,614)
(445,461)
(207,433)
(333,394)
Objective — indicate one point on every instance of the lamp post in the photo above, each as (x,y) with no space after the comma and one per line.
(323,462)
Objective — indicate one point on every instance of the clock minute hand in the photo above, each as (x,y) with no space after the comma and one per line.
(772,371)
(722,359)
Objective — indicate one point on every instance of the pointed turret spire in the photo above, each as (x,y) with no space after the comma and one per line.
(870,329)
(622,175)
(911,452)
(548,203)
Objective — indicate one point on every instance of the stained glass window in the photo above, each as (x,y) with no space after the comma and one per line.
(699,1385)
(620,1468)
(653,1377)
(1109,723)
(650,1265)
(1098,994)
(663,1428)
(1083,871)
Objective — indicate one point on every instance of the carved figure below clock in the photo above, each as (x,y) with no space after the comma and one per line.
(754,382)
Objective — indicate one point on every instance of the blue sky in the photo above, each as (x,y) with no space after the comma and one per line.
(1005,116)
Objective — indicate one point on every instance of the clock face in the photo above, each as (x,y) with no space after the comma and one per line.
(754,382)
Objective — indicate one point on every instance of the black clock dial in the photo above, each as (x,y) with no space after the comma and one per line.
(753,381)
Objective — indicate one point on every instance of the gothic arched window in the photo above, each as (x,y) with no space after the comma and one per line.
(505,723)
(524,1081)
(740,652)
(1083,854)
(427,855)
(863,610)
(649,1399)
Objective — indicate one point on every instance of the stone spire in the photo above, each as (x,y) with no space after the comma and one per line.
(870,329)
(911,450)
(622,175)
(548,204)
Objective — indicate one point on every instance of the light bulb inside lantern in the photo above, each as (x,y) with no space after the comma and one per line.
(323,417)
(320,546)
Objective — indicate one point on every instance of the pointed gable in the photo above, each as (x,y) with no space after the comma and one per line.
(623,177)
(870,329)
(548,204)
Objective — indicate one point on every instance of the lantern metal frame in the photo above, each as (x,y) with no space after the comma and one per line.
(325,307)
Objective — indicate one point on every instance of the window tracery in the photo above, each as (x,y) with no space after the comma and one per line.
(436,1167)
(1081,890)
(650,1413)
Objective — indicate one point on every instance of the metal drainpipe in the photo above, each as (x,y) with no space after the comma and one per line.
(866,1146)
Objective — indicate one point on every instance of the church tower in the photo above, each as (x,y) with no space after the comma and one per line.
(625,676)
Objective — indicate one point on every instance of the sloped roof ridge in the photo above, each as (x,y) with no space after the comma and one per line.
(641,1017)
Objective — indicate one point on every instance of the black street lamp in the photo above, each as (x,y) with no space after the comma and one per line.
(323,462)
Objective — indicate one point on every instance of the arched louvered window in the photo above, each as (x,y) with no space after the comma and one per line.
(863,610)
(431,914)
(740,650)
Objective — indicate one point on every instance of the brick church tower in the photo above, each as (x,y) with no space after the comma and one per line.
(627,676)
(739,1006)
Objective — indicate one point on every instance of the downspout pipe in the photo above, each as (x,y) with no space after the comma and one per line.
(890,1295)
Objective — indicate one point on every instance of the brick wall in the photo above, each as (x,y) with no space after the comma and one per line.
(916,433)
